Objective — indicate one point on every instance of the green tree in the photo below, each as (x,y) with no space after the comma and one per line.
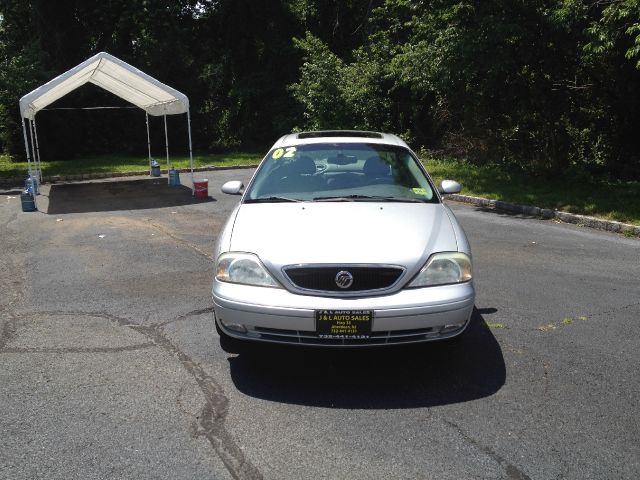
(318,88)
(546,85)
(247,62)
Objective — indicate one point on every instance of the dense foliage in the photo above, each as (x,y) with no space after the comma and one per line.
(547,85)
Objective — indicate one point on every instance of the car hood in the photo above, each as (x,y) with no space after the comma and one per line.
(343,233)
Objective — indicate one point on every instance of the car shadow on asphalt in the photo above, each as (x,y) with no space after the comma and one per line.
(117,195)
(410,376)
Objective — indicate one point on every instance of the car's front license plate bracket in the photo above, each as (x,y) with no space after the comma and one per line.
(344,324)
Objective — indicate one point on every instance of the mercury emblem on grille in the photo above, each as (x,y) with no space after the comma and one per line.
(344,279)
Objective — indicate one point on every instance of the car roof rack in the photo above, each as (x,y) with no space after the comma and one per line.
(339,133)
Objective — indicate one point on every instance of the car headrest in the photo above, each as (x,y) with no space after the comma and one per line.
(375,166)
(303,165)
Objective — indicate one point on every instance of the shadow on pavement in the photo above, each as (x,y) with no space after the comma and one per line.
(412,376)
(118,195)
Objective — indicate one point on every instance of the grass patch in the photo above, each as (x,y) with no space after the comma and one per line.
(548,327)
(497,326)
(122,163)
(587,196)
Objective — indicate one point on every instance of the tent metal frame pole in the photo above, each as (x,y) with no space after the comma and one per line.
(33,148)
(26,147)
(190,150)
(37,153)
(146,114)
(35,164)
(166,142)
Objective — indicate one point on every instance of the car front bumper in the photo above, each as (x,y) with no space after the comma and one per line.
(406,316)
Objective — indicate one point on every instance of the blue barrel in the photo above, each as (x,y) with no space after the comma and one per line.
(174,177)
(31,184)
(26,198)
(155,168)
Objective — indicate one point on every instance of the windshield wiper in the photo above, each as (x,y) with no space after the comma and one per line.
(273,199)
(342,198)
(370,198)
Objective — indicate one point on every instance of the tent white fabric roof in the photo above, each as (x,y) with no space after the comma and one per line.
(114,75)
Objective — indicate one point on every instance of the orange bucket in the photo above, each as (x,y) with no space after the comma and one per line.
(201,188)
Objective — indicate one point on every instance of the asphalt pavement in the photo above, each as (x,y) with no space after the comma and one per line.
(110,365)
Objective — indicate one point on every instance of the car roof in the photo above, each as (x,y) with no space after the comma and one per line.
(338,136)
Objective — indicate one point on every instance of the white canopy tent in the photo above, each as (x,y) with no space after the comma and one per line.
(115,76)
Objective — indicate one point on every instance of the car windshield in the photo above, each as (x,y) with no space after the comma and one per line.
(340,172)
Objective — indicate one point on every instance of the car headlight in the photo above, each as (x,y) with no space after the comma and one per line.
(444,268)
(244,268)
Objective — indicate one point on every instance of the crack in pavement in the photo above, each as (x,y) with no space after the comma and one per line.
(214,412)
(128,348)
(211,420)
(185,316)
(512,472)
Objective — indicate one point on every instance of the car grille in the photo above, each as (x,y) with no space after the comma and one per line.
(376,338)
(323,279)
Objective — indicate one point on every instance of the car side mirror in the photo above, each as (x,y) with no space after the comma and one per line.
(232,187)
(450,186)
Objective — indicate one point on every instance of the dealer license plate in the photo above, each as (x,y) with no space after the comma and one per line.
(347,324)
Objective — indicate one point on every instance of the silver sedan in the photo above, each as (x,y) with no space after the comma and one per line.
(341,239)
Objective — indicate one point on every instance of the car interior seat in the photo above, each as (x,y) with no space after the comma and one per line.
(300,176)
(376,170)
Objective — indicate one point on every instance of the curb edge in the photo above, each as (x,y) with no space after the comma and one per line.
(547,214)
